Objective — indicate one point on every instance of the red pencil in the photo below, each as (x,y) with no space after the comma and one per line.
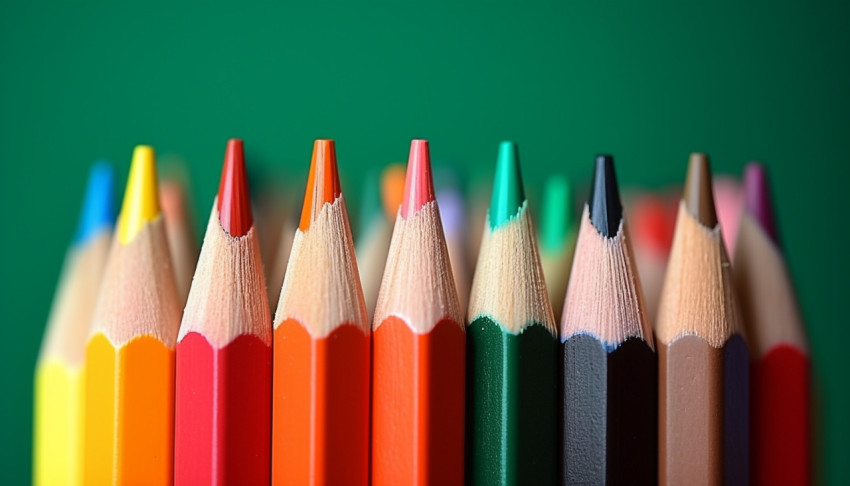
(223,391)
(779,418)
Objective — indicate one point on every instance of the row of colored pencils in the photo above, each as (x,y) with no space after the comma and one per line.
(397,386)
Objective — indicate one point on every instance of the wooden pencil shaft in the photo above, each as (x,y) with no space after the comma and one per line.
(512,418)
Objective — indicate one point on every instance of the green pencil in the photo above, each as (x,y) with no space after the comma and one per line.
(558,232)
(512,419)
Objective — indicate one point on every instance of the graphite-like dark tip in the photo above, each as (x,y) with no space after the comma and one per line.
(698,194)
(604,205)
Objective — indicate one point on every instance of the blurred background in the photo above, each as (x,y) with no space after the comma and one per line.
(649,82)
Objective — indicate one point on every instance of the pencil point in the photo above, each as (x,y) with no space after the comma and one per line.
(99,203)
(419,183)
(508,195)
(757,198)
(322,182)
(234,197)
(604,205)
(557,212)
(698,195)
(141,199)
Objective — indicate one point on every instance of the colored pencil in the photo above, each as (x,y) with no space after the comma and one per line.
(280,256)
(374,233)
(703,407)
(179,231)
(729,199)
(223,377)
(652,222)
(58,440)
(609,365)
(512,419)
(557,239)
(453,219)
(321,345)
(129,371)
(780,407)
(418,354)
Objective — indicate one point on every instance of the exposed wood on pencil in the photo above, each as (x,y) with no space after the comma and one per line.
(703,370)
(321,354)
(781,429)
(223,389)
(418,348)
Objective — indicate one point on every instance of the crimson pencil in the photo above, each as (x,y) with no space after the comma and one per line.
(779,393)
(223,390)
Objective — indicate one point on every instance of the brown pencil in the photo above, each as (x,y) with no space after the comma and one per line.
(702,359)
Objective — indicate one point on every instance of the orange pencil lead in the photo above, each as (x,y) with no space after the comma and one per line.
(322,182)
(234,200)
(419,185)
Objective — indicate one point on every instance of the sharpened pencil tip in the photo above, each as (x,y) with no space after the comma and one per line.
(605,209)
(322,182)
(508,194)
(557,213)
(419,182)
(99,204)
(141,198)
(757,201)
(698,194)
(234,197)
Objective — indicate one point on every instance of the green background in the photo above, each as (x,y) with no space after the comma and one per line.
(647,81)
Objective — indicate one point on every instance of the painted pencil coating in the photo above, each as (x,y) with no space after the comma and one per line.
(129,373)
(223,395)
(418,349)
(780,421)
(58,439)
(703,409)
(320,430)
(512,417)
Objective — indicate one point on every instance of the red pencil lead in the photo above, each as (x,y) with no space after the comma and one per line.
(234,200)
(419,185)
(322,182)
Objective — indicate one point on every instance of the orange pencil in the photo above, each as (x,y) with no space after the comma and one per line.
(418,356)
(320,424)
(129,376)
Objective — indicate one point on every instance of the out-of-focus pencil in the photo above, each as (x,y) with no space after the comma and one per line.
(418,354)
(652,222)
(455,228)
(703,364)
(59,388)
(373,242)
(129,370)
(321,352)
(781,429)
(223,378)
(179,231)
(610,368)
(512,419)
(557,239)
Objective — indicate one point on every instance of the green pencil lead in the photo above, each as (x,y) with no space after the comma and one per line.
(508,194)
